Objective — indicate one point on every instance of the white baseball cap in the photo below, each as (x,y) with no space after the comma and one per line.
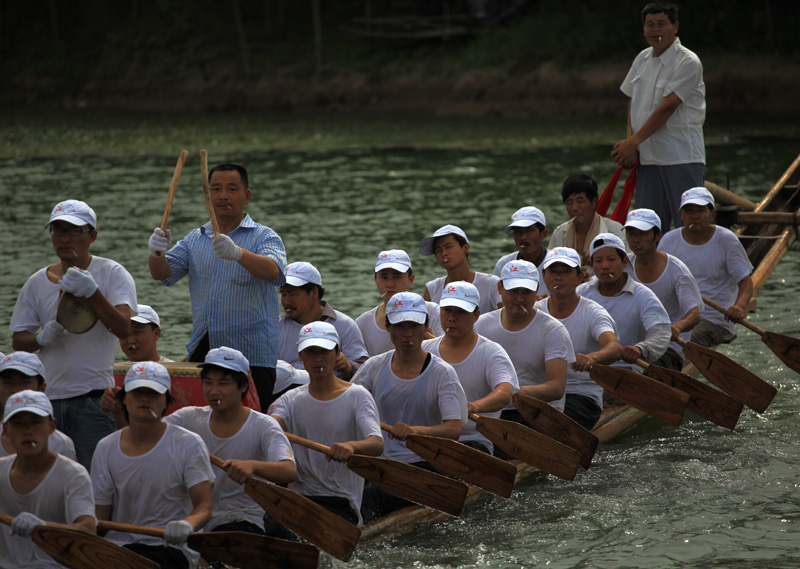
(287,375)
(75,212)
(35,402)
(461,294)
(298,274)
(148,374)
(520,274)
(525,217)
(146,315)
(396,259)
(407,306)
(228,358)
(606,240)
(644,219)
(699,196)
(318,333)
(426,247)
(24,362)
(566,255)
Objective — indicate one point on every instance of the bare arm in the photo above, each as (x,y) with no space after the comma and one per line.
(371,446)
(426,295)
(281,472)
(103,513)
(609,352)
(84,523)
(200,494)
(495,401)
(552,389)
(24,342)
(450,429)
(625,150)
(689,321)
(159,267)
(736,313)
(116,318)
(260,266)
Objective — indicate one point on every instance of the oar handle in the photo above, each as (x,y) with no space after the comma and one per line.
(642,364)
(209,205)
(719,308)
(172,186)
(308,444)
(130,528)
(474,417)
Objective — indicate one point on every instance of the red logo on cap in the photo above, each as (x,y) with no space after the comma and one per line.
(58,208)
(307,330)
(398,302)
(384,255)
(513,269)
(451,288)
(16,400)
(138,369)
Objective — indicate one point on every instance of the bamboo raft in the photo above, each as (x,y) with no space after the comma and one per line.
(766,238)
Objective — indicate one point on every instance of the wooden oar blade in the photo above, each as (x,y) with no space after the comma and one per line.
(735,380)
(411,483)
(78,550)
(546,419)
(704,400)
(529,446)
(310,521)
(785,347)
(468,464)
(646,394)
(252,551)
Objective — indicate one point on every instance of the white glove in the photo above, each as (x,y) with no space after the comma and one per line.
(52,333)
(24,524)
(160,241)
(226,248)
(177,532)
(78,282)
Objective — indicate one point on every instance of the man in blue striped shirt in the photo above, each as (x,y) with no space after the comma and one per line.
(233,278)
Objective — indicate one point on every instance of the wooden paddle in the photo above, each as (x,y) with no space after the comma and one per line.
(546,419)
(80,550)
(529,446)
(468,464)
(310,521)
(209,205)
(644,393)
(785,347)
(172,186)
(406,481)
(738,382)
(704,400)
(237,548)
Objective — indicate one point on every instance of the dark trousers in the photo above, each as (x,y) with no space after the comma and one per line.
(583,410)
(166,557)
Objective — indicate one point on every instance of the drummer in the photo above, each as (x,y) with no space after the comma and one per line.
(78,366)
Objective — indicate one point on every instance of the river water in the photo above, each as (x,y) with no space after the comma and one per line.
(695,496)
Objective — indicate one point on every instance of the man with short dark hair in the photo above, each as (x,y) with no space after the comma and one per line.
(666,112)
(301,298)
(78,366)
(529,228)
(579,193)
(233,278)
(718,263)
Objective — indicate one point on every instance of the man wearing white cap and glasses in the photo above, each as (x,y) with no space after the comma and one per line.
(483,367)
(416,392)
(529,228)
(333,412)
(170,463)
(643,325)
(591,329)
(718,263)
(450,245)
(141,344)
(22,371)
(667,276)
(78,366)
(393,274)
(301,298)
(233,278)
(538,344)
(37,484)
(250,443)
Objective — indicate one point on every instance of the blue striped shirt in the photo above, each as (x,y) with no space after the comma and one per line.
(235,308)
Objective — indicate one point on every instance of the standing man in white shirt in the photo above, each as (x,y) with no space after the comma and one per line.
(301,298)
(718,263)
(668,277)
(591,329)
(529,228)
(78,366)
(484,369)
(666,112)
